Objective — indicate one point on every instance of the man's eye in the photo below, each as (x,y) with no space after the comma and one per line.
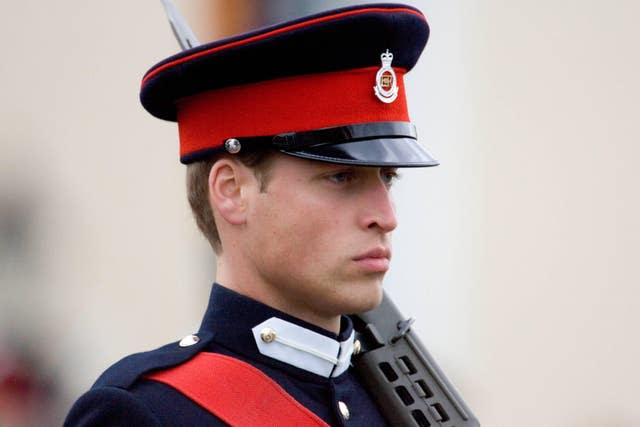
(341,177)
(389,177)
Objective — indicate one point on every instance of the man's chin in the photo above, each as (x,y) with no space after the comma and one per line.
(366,299)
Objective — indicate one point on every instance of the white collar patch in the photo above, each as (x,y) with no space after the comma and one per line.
(303,348)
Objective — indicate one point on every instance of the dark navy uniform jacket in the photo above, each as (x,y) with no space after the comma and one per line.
(120,397)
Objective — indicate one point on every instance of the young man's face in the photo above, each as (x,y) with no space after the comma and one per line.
(319,236)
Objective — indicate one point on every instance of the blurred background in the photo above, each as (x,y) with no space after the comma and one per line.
(519,255)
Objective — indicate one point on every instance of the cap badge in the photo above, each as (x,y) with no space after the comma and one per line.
(386,88)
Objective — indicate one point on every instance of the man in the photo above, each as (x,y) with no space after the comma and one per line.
(292,135)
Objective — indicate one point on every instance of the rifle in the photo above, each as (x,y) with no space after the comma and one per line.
(401,375)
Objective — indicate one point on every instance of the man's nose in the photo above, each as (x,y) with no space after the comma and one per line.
(379,211)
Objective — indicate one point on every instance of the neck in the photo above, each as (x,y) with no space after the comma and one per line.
(239,279)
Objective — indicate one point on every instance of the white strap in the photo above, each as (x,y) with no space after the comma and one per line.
(303,348)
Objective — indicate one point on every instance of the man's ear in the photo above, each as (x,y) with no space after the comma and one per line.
(226,179)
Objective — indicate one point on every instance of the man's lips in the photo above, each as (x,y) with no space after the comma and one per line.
(374,260)
(379,252)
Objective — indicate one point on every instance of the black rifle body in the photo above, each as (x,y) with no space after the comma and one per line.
(403,378)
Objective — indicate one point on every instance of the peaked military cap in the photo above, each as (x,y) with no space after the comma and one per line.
(326,87)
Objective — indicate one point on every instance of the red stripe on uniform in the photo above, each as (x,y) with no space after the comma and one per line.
(236,392)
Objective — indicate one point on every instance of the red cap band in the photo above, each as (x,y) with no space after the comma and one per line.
(292,104)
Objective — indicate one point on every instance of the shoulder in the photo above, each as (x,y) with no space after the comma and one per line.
(117,397)
(126,372)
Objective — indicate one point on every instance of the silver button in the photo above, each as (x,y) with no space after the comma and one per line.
(268,335)
(357,347)
(232,145)
(344,410)
(189,340)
